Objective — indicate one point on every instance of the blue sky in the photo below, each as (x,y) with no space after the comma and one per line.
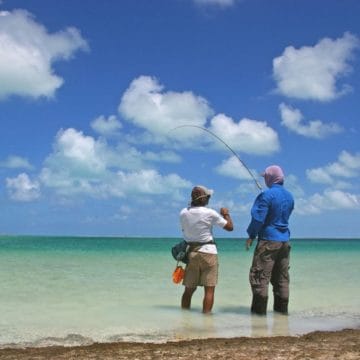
(91,90)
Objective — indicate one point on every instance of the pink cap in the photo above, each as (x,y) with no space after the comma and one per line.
(273,175)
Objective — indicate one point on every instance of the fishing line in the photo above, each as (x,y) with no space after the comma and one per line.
(222,141)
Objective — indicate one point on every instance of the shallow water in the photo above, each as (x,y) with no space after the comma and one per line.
(73,291)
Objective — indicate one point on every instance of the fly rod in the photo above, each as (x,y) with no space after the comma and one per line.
(223,142)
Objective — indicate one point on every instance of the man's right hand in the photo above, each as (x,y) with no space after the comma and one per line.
(224,211)
(226,215)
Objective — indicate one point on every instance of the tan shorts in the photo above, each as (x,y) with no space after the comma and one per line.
(202,270)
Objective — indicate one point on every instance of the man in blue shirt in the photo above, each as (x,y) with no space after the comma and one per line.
(269,224)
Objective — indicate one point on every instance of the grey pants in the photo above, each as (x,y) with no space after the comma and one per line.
(270,264)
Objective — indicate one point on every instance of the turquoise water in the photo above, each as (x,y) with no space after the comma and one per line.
(71,291)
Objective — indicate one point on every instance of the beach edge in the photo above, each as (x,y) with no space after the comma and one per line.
(340,344)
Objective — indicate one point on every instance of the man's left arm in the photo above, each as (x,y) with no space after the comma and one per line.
(258,215)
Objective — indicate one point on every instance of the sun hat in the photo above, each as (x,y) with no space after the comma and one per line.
(200,191)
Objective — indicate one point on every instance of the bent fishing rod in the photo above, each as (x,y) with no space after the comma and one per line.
(228,147)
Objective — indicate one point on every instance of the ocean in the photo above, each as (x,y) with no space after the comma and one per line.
(79,290)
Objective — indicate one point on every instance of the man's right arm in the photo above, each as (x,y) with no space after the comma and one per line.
(226,215)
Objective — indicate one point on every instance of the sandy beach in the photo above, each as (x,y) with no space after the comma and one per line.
(344,344)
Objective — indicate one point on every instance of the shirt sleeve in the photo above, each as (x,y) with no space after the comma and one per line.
(259,212)
(218,219)
(254,228)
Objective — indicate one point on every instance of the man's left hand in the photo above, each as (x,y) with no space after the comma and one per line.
(248,243)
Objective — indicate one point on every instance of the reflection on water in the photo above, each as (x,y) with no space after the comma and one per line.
(271,325)
(193,324)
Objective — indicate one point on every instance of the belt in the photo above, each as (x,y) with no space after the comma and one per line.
(195,246)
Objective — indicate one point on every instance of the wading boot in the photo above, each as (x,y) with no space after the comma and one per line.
(259,305)
(281,305)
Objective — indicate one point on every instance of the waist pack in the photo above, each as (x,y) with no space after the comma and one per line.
(181,250)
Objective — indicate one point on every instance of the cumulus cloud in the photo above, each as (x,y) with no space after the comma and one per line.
(148,106)
(16,162)
(313,72)
(78,153)
(327,201)
(106,126)
(249,136)
(28,52)
(22,188)
(346,167)
(293,119)
(81,164)
(232,167)
(335,175)
(319,175)
(149,182)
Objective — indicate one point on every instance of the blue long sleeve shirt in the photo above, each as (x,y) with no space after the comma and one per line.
(270,214)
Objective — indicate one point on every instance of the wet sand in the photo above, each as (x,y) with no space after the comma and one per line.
(344,344)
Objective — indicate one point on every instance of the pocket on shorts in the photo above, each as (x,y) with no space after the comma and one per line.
(209,259)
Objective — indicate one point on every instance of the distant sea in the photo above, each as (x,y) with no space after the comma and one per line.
(78,290)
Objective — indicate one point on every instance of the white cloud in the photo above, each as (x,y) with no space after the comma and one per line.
(249,136)
(149,182)
(160,113)
(119,184)
(313,72)
(22,188)
(27,53)
(319,175)
(232,167)
(293,120)
(78,153)
(333,198)
(346,167)
(349,161)
(16,162)
(220,3)
(106,126)
(330,200)
(81,164)
(147,106)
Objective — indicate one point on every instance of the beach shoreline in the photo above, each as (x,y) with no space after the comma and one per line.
(342,344)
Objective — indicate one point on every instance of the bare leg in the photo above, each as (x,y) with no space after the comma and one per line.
(186,297)
(208,299)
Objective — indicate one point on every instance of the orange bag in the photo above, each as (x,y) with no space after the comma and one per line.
(178,274)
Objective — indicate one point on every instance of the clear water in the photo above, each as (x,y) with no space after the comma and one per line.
(72,291)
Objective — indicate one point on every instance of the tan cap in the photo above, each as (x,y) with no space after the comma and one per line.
(200,191)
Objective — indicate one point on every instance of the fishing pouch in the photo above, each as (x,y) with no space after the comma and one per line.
(180,251)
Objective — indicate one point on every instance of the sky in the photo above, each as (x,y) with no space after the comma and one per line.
(94,96)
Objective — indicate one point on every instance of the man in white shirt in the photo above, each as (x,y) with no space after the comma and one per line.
(197,222)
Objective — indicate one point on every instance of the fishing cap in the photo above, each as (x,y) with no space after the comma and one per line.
(273,175)
(199,192)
